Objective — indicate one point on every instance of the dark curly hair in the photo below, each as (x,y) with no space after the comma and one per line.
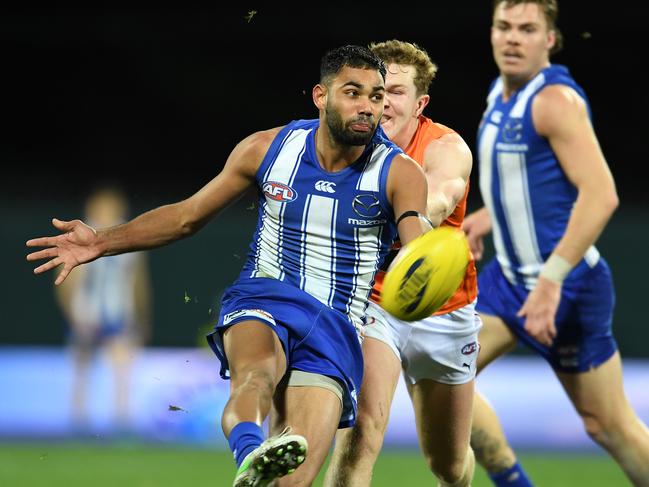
(352,56)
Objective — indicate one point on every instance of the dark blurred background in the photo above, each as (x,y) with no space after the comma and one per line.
(155,99)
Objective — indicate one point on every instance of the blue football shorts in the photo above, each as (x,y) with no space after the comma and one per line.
(316,338)
(584,318)
(105,332)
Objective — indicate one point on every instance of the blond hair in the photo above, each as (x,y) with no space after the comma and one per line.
(409,54)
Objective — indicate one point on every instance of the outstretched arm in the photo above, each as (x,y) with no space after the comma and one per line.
(447,165)
(560,114)
(79,243)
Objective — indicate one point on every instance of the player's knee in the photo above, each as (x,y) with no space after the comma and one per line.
(604,430)
(367,434)
(448,472)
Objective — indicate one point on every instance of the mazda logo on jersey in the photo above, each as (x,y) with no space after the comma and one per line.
(366,205)
(279,191)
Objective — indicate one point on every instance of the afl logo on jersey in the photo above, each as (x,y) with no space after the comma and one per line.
(279,192)
(470,348)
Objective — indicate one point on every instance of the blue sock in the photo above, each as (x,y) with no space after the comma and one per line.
(244,438)
(514,476)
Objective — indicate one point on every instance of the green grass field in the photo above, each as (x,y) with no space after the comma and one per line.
(77,465)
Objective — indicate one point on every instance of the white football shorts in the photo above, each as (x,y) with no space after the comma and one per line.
(443,348)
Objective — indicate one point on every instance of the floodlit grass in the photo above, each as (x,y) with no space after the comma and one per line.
(81,465)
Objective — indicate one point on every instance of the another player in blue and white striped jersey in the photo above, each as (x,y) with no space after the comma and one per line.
(548,193)
(288,331)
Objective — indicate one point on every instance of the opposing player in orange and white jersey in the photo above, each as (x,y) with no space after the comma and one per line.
(438,354)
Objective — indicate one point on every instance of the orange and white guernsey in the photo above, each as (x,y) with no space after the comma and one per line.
(468,290)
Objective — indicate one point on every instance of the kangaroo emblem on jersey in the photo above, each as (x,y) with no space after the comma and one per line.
(513,130)
(279,191)
(325,186)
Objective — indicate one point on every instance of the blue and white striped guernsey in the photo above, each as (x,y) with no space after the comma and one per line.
(104,296)
(322,232)
(525,189)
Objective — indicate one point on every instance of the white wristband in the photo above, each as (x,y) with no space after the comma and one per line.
(556,268)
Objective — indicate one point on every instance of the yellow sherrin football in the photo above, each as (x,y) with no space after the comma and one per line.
(425,274)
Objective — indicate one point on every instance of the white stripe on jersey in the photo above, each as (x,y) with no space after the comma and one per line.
(269,246)
(357,260)
(495,92)
(368,238)
(486,148)
(332,289)
(517,208)
(521,102)
(292,148)
(371,177)
(262,247)
(318,247)
(305,214)
(268,250)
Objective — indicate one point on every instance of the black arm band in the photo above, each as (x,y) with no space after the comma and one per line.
(408,213)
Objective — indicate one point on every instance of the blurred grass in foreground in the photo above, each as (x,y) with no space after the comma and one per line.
(80,464)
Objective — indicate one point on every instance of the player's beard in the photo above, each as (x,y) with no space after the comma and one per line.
(341,131)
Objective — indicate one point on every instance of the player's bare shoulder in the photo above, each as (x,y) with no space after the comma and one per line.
(449,150)
(451,143)
(404,166)
(249,153)
(262,138)
(556,106)
(405,175)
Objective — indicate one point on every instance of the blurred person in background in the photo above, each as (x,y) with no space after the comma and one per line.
(107,306)
(548,195)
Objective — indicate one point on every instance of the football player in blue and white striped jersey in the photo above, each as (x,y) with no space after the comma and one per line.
(331,192)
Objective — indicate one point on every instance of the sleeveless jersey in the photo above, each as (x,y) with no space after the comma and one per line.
(522,183)
(323,232)
(105,295)
(468,290)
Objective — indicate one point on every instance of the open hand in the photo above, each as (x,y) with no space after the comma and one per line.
(77,244)
(540,309)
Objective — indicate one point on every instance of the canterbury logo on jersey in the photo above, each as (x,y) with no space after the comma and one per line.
(325,186)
